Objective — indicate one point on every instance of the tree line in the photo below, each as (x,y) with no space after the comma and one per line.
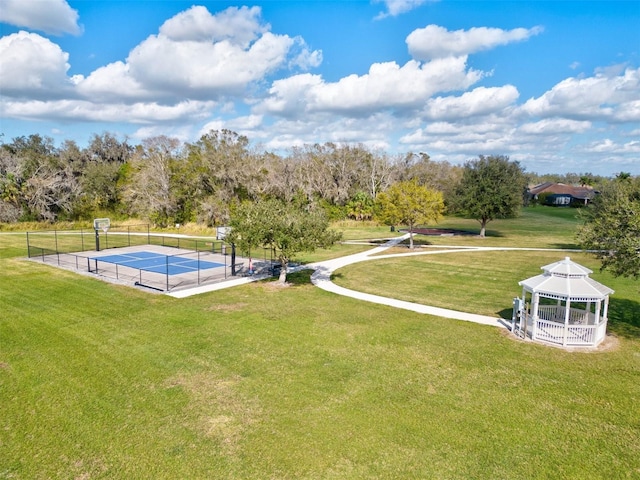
(167,181)
(220,180)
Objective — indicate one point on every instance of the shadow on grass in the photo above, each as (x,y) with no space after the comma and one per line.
(417,242)
(336,275)
(301,277)
(624,317)
(567,246)
(506,314)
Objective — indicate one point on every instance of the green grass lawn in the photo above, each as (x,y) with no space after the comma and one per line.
(105,381)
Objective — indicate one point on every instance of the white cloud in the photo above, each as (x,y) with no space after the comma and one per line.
(246,125)
(304,58)
(240,26)
(203,68)
(202,56)
(604,96)
(434,41)
(371,132)
(396,7)
(99,85)
(555,126)
(32,66)
(50,16)
(480,101)
(610,146)
(492,135)
(184,133)
(385,86)
(87,111)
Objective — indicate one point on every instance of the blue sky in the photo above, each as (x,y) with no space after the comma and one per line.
(554,85)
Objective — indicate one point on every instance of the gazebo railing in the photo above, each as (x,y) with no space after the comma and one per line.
(576,335)
(556,313)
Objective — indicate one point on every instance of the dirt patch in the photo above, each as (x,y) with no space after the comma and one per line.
(274,286)
(217,409)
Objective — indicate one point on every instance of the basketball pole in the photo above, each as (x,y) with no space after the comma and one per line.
(97,240)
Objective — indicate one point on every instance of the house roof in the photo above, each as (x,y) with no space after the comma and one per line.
(566,279)
(561,188)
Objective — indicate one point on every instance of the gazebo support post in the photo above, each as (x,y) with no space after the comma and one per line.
(534,314)
(567,313)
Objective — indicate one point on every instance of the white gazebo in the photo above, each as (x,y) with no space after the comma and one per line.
(562,306)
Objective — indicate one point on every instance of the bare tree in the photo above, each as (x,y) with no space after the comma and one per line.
(150,191)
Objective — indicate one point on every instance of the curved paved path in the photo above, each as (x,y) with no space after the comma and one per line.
(322,279)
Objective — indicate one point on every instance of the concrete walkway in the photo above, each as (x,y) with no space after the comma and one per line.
(322,279)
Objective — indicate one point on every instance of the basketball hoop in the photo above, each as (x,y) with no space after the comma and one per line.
(100,224)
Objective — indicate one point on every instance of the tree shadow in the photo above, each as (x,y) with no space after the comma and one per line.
(567,246)
(336,275)
(417,242)
(297,278)
(624,318)
(300,277)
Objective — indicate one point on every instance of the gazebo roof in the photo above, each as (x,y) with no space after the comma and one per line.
(566,279)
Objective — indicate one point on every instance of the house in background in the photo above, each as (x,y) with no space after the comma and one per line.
(559,194)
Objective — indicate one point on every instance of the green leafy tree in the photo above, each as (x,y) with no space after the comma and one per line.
(490,188)
(612,227)
(282,227)
(219,169)
(410,204)
(360,207)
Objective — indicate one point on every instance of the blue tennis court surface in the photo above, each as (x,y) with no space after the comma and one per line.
(158,263)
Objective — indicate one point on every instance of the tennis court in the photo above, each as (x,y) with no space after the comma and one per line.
(132,255)
(159,263)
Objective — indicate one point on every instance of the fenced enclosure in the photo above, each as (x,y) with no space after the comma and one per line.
(175,261)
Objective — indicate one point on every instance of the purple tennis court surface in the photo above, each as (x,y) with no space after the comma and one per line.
(158,263)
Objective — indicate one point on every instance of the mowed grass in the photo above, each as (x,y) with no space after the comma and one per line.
(105,381)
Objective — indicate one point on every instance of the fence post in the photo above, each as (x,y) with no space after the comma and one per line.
(233,259)
(167,271)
